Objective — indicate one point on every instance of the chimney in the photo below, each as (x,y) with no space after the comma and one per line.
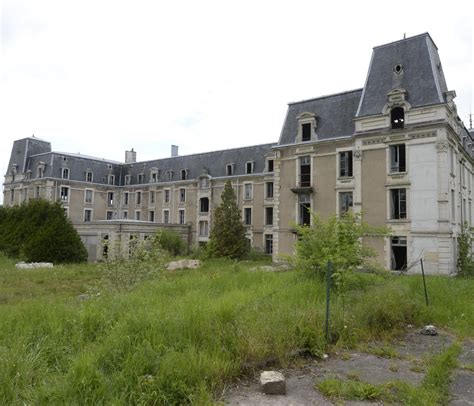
(130,157)
(174,151)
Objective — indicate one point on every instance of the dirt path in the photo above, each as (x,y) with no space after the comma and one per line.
(377,364)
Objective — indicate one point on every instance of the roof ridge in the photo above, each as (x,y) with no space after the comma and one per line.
(424,34)
(326,96)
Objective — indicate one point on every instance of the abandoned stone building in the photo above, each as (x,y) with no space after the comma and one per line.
(395,150)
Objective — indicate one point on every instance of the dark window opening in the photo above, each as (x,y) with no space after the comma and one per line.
(268,244)
(151,216)
(110,198)
(345,202)
(184,174)
(110,215)
(204,205)
(270,165)
(247,216)
(345,163)
(105,246)
(398,260)
(397,158)
(229,170)
(305,171)
(268,216)
(249,167)
(398,204)
(306,132)
(269,190)
(397,117)
(304,210)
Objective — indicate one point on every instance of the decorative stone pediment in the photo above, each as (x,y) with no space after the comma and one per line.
(397,97)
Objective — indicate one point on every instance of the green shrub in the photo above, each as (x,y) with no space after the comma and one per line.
(39,231)
(171,241)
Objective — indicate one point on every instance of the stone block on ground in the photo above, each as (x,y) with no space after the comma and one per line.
(183,264)
(272,383)
(429,331)
(33,265)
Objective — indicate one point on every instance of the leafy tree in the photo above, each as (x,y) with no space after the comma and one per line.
(39,231)
(465,264)
(171,241)
(228,233)
(339,240)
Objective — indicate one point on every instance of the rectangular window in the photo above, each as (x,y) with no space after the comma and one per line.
(453,206)
(110,198)
(37,192)
(88,196)
(181,218)
(204,183)
(306,132)
(182,195)
(12,195)
(64,194)
(345,164)
(151,216)
(154,177)
(305,171)
(204,205)
(270,165)
(138,198)
(125,215)
(128,179)
(398,261)
(397,158)
(248,167)
(398,209)
(268,216)
(169,176)
(166,196)
(65,173)
(109,215)
(152,197)
(141,178)
(184,174)
(304,218)
(111,179)
(229,169)
(269,244)
(203,229)
(345,202)
(137,215)
(452,159)
(269,190)
(40,171)
(247,216)
(248,191)
(87,215)
(125,198)
(89,176)
(166,216)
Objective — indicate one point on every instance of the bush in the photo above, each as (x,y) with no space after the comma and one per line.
(39,231)
(171,241)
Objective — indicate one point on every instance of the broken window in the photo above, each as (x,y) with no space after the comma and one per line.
(304,209)
(248,189)
(154,177)
(64,194)
(268,244)
(397,158)
(151,216)
(345,164)
(269,190)
(109,215)
(270,165)
(398,208)
(105,246)
(397,117)
(181,218)
(247,216)
(268,216)
(305,171)
(110,198)
(203,229)
(398,260)
(306,132)
(184,174)
(345,202)
(204,205)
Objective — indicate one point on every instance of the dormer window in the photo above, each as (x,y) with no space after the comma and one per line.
(89,176)
(169,176)
(141,178)
(184,174)
(307,126)
(128,179)
(65,173)
(249,167)
(40,170)
(229,169)
(270,165)
(154,176)
(110,179)
(397,117)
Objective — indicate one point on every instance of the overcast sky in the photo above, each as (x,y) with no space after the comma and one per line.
(99,77)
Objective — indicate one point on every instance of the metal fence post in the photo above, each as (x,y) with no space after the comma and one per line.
(328,292)
(424,281)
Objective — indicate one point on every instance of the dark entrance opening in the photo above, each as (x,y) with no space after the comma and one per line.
(399,254)
(397,117)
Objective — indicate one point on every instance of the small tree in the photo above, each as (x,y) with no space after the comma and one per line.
(339,240)
(464,263)
(228,233)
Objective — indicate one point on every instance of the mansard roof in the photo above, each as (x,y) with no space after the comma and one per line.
(334,116)
(419,73)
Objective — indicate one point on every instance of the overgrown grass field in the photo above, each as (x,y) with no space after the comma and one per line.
(183,336)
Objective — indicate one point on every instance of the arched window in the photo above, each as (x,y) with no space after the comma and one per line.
(397,117)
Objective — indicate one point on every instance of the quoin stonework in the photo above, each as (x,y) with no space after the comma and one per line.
(394,150)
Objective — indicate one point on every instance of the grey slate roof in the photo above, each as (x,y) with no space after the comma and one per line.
(24,148)
(214,162)
(422,76)
(334,116)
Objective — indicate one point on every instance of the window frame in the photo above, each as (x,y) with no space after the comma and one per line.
(396,212)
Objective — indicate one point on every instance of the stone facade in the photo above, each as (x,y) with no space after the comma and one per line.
(394,150)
